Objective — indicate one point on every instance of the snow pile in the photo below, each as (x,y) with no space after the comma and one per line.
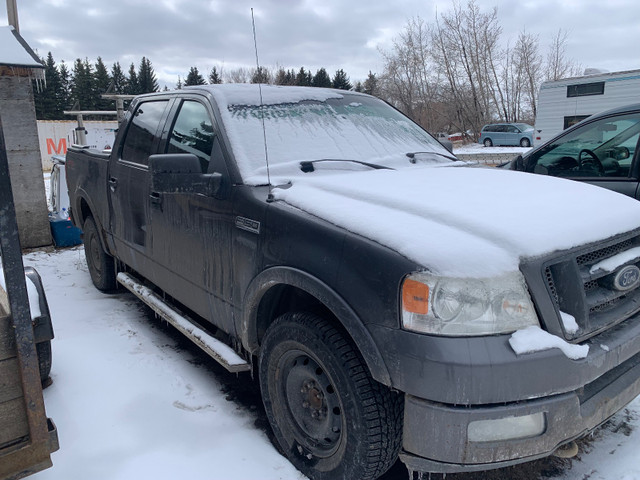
(569,322)
(12,52)
(465,222)
(534,339)
(611,263)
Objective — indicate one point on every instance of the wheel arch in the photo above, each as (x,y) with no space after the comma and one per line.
(84,209)
(280,289)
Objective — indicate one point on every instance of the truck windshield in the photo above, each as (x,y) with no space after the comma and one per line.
(350,127)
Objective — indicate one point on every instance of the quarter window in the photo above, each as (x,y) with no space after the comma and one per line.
(142,132)
(192,132)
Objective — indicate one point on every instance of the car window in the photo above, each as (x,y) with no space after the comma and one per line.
(142,131)
(192,132)
(604,148)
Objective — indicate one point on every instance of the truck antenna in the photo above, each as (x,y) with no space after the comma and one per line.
(264,131)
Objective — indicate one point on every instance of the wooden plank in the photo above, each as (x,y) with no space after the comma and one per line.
(7,338)
(10,380)
(13,421)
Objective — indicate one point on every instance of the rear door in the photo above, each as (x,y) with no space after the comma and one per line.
(129,184)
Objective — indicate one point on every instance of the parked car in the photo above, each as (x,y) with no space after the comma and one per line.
(506,134)
(388,307)
(601,150)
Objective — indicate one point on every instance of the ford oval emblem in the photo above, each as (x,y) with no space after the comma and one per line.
(627,278)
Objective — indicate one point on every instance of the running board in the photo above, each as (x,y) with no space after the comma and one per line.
(219,351)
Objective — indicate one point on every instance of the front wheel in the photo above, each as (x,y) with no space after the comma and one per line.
(525,142)
(330,418)
(101,264)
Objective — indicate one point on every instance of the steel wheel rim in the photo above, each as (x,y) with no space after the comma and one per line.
(312,405)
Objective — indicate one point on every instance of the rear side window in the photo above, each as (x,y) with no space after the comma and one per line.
(192,132)
(142,132)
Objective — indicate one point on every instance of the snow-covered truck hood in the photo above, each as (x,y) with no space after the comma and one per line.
(465,222)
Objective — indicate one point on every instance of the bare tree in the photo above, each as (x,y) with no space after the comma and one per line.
(238,75)
(466,49)
(410,80)
(558,66)
(530,65)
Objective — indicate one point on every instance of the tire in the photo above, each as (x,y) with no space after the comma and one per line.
(101,264)
(44,359)
(329,417)
(488,142)
(525,142)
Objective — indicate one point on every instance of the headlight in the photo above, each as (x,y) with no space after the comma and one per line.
(466,306)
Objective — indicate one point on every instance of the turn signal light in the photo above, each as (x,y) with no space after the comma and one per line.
(415,297)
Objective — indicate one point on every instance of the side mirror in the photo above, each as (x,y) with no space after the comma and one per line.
(182,173)
(448,144)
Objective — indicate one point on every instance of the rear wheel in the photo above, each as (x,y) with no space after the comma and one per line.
(525,142)
(101,264)
(330,418)
(488,142)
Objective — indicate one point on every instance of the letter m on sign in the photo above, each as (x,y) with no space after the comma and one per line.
(61,148)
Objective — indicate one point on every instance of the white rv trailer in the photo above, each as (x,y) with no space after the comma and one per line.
(563,103)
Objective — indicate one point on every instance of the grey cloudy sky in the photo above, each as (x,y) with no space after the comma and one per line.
(178,34)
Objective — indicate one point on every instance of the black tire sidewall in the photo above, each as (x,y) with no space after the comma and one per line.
(346,462)
(102,274)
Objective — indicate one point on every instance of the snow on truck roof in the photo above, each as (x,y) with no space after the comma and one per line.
(249,94)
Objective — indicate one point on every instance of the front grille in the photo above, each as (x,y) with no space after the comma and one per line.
(592,257)
(590,297)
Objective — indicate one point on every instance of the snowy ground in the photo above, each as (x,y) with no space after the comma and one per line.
(132,400)
(478,148)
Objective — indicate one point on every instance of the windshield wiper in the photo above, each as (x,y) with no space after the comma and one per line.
(307,166)
(412,156)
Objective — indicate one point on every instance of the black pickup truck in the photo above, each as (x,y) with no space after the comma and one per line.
(396,302)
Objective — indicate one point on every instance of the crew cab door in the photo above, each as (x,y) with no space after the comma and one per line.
(191,244)
(129,186)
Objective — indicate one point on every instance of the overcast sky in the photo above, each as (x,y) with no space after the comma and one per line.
(178,34)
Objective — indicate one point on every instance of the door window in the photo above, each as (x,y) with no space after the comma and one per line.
(192,132)
(142,132)
(604,148)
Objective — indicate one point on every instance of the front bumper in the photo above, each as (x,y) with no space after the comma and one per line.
(436,435)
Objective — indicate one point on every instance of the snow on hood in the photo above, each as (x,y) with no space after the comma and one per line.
(465,222)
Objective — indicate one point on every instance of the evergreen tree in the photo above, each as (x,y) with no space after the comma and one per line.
(65,86)
(358,87)
(260,75)
(321,79)
(214,77)
(102,80)
(371,84)
(280,78)
(303,78)
(82,90)
(147,82)
(290,77)
(48,96)
(179,84)
(341,81)
(133,87)
(118,79)
(194,78)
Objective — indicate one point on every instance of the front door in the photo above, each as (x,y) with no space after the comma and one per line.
(192,233)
